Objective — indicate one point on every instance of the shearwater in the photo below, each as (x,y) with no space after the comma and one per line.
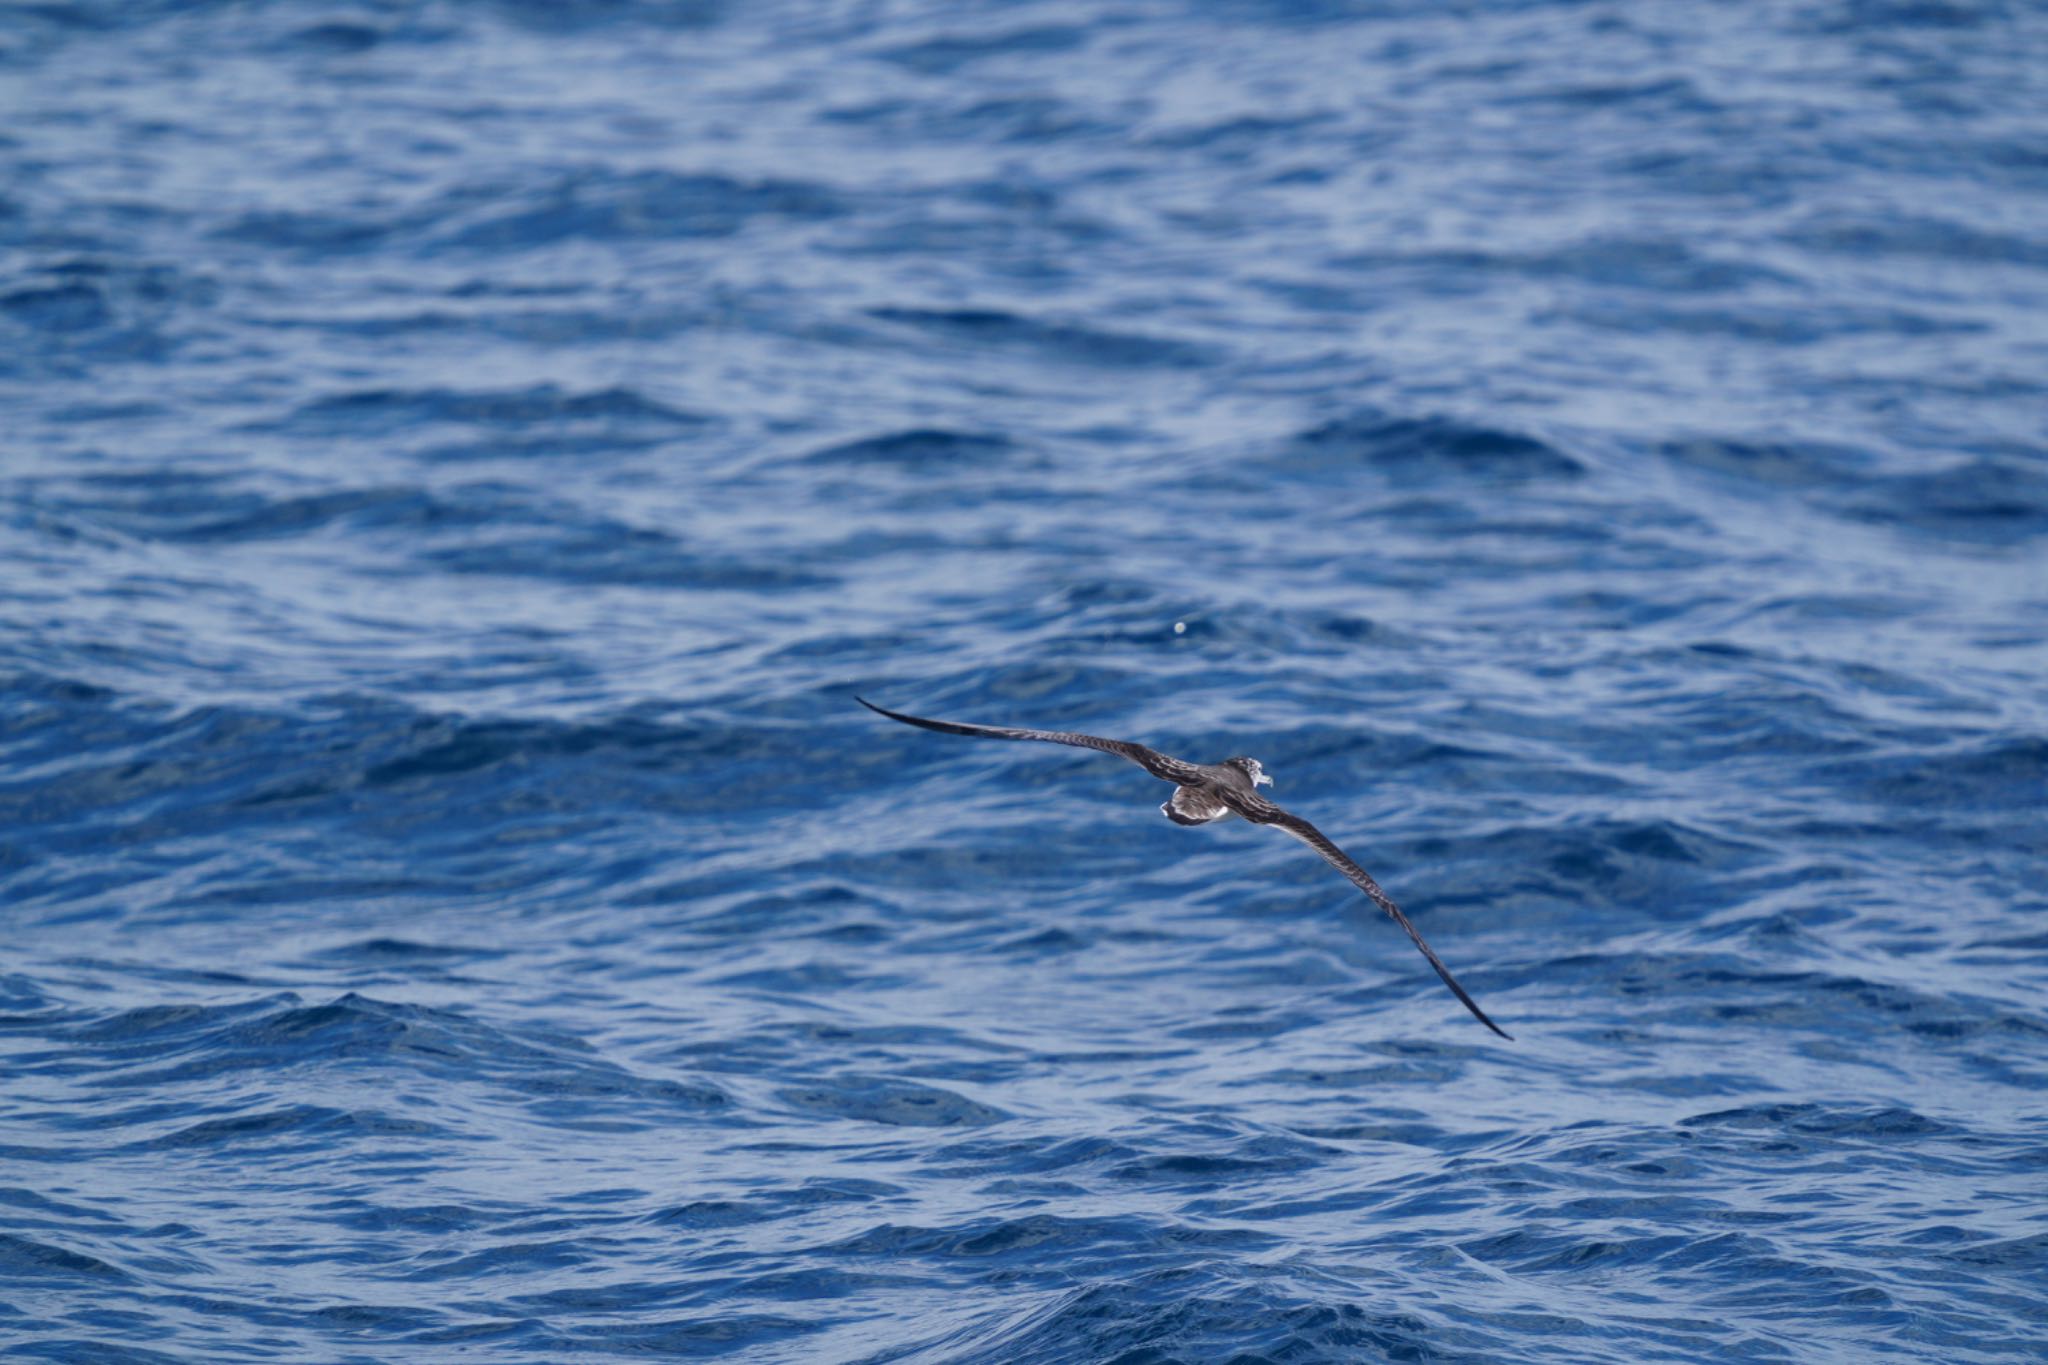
(1204,792)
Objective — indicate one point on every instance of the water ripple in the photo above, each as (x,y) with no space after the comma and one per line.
(463,461)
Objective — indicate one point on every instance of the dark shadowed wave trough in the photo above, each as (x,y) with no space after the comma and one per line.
(459,463)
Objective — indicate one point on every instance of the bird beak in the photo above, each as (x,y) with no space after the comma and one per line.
(1264,781)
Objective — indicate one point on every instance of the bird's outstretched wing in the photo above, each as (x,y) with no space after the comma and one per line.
(1151,760)
(1260,811)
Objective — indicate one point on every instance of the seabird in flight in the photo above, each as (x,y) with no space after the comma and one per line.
(1214,791)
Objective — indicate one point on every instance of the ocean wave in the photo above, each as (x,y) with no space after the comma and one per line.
(464,462)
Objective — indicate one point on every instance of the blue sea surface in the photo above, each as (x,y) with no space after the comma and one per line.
(460,460)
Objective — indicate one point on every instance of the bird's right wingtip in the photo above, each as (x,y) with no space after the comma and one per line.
(1481,1015)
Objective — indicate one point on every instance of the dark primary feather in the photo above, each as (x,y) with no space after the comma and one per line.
(1151,760)
(1248,804)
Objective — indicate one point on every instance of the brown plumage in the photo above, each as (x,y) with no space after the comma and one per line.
(1204,792)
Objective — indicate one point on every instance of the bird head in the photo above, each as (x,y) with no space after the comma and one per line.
(1250,768)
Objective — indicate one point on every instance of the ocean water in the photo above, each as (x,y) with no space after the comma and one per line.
(460,461)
